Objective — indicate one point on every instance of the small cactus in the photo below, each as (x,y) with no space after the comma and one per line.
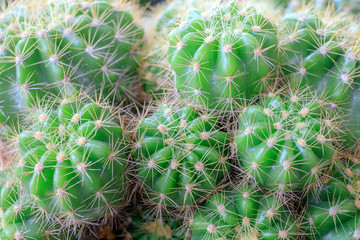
(223,55)
(244,213)
(74,160)
(181,154)
(58,47)
(284,144)
(317,58)
(331,210)
(20,218)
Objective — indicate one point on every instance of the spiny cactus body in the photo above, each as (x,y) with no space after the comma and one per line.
(283,143)
(243,213)
(316,58)
(332,209)
(20,218)
(181,154)
(58,47)
(74,160)
(223,55)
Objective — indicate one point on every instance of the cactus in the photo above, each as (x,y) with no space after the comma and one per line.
(20,218)
(74,160)
(181,154)
(316,58)
(58,47)
(331,210)
(244,213)
(283,143)
(223,55)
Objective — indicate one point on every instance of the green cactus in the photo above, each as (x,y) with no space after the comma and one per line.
(244,213)
(316,59)
(331,210)
(284,144)
(58,47)
(20,218)
(223,55)
(181,155)
(74,160)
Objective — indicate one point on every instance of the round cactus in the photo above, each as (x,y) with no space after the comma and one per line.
(20,218)
(181,154)
(58,47)
(244,213)
(332,210)
(284,144)
(223,55)
(74,160)
(316,59)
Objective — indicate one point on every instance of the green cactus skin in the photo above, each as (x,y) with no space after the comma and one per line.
(317,60)
(332,211)
(181,155)
(67,46)
(244,213)
(283,143)
(74,160)
(223,55)
(19,217)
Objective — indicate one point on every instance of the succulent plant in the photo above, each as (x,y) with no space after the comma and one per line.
(74,160)
(244,212)
(180,153)
(58,47)
(316,58)
(20,218)
(283,142)
(223,55)
(331,210)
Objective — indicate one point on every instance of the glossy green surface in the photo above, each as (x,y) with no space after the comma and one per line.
(243,213)
(180,155)
(332,210)
(74,160)
(20,218)
(283,144)
(66,47)
(315,59)
(223,55)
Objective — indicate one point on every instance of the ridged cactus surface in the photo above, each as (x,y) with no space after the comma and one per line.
(283,143)
(223,55)
(74,160)
(181,154)
(58,47)
(244,213)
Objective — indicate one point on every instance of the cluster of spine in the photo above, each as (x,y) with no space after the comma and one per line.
(58,47)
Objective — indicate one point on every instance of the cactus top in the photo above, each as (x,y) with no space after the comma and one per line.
(284,144)
(317,57)
(74,160)
(181,155)
(223,55)
(58,47)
